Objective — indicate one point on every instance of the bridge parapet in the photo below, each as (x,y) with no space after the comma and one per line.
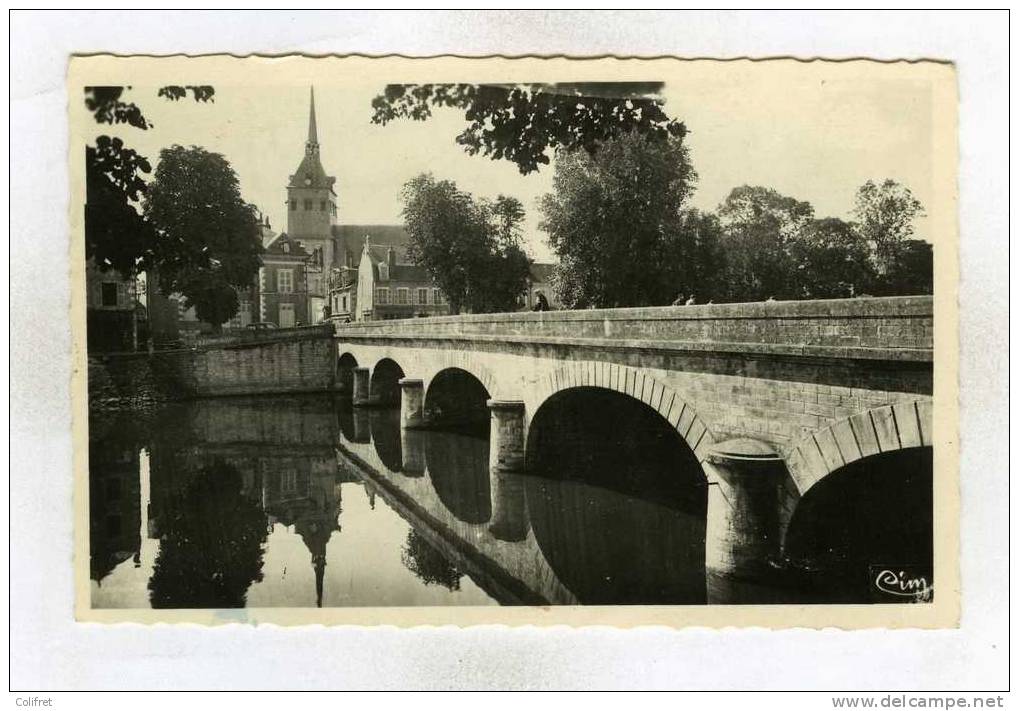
(898,328)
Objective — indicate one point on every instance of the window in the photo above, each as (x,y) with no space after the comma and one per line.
(422,296)
(324,206)
(437,297)
(288,481)
(285,281)
(307,204)
(293,204)
(382,295)
(403,296)
(344,307)
(109,293)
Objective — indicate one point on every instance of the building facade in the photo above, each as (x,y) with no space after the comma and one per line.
(283,284)
(113,313)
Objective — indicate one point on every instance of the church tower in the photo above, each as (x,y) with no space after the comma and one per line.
(311,199)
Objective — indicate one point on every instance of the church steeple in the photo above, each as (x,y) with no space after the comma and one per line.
(312,145)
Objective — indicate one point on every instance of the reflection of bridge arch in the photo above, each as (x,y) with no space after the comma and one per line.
(385,378)
(458,470)
(891,428)
(639,385)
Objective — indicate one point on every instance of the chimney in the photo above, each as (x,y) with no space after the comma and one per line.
(391,256)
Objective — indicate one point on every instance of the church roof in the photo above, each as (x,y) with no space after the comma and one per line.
(310,173)
(394,235)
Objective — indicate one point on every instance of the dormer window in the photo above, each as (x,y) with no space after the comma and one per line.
(286,248)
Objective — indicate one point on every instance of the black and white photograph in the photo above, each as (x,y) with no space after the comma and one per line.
(363,344)
(509,350)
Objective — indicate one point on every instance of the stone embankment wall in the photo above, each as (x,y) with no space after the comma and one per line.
(285,361)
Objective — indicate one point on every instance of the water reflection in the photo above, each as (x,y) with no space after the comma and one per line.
(618,503)
(308,501)
(385,434)
(426,562)
(211,539)
(458,467)
(234,502)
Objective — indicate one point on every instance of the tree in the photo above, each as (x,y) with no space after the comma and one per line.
(615,222)
(115,234)
(210,551)
(524,122)
(911,270)
(832,260)
(886,214)
(760,225)
(471,249)
(207,240)
(427,563)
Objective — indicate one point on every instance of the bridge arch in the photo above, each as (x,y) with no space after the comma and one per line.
(640,385)
(385,379)
(466,361)
(890,428)
(345,365)
(456,398)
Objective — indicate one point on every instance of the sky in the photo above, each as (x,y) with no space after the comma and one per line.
(810,134)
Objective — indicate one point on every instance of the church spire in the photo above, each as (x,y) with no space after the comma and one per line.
(312,145)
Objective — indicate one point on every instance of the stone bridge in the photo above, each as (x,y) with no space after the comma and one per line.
(761,392)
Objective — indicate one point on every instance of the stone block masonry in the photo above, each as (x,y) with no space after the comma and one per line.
(288,361)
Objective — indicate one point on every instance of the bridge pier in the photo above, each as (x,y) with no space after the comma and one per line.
(412,403)
(362,384)
(506,441)
(743,508)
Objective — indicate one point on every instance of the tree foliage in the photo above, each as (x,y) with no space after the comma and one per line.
(886,213)
(427,563)
(775,248)
(524,123)
(470,248)
(210,551)
(616,222)
(760,225)
(116,235)
(831,260)
(206,237)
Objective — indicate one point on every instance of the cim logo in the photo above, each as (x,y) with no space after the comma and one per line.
(902,583)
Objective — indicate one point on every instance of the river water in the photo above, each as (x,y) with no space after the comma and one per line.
(305,501)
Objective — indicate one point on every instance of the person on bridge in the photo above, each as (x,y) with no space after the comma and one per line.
(691,301)
(541,303)
(679,300)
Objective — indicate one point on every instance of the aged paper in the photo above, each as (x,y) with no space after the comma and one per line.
(229,507)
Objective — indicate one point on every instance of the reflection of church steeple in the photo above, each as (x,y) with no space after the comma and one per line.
(320,571)
(316,530)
